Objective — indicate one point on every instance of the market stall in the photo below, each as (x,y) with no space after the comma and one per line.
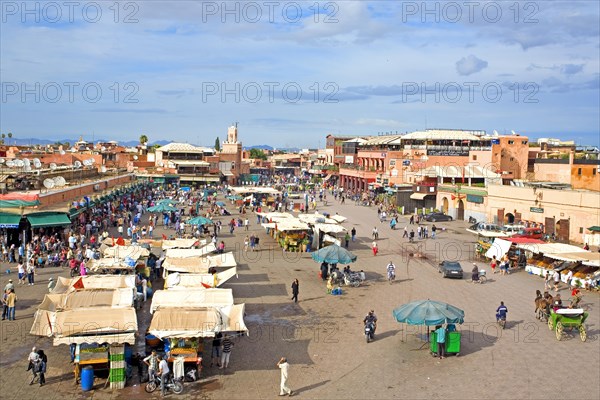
(198,265)
(191,298)
(183,281)
(563,258)
(291,234)
(187,253)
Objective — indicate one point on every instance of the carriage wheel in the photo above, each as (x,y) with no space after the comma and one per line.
(559,330)
(550,324)
(582,333)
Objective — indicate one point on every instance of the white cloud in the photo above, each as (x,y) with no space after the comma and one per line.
(470,65)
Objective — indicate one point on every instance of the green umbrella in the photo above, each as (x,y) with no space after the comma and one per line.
(429,312)
(162,208)
(200,221)
(333,254)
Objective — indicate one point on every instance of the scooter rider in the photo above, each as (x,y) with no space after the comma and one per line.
(501,312)
(391,270)
(371,318)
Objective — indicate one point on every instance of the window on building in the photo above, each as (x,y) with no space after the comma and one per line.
(524,142)
(511,142)
(578,171)
(474,157)
(512,159)
(418,188)
(594,171)
(431,189)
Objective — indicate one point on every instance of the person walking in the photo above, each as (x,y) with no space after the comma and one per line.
(375,233)
(21,271)
(30,269)
(548,280)
(284,366)
(441,341)
(226,346)
(556,277)
(353,233)
(33,359)
(433,229)
(405,234)
(295,290)
(493,264)
(374,248)
(41,366)
(11,300)
(346,240)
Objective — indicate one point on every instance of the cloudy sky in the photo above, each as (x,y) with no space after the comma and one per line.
(292,72)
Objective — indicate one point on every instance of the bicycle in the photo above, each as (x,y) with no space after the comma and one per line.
(174,385)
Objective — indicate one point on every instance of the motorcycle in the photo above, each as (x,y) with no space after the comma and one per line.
(391,276)
(175,386)
(369,331)
(501,319)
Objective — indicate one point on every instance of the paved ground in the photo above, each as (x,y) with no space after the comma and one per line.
(322,334)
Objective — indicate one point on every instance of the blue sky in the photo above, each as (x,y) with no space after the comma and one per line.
(290,73)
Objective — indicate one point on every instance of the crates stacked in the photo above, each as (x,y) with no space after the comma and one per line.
(117,367)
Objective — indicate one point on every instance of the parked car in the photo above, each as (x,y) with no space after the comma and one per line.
(435,217)
(451,269)
(531,233)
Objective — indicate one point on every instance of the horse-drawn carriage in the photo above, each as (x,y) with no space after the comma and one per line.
(568,318)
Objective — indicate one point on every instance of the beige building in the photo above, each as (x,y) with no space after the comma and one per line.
(566,212)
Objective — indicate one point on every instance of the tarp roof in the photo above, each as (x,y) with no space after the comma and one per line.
(330,228)
(186,253)
(178,281)
(254,189)
(199,265)
(111,263)
(122,297)
(84,321)
(551,248)
(122,252)
(94,282)
(179,243)
(316,218)
(499,248)
(197,322)
(586,257)
(191,298)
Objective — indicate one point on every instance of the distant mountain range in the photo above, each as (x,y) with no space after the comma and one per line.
(259,146)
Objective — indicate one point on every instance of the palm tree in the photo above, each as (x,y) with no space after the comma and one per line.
(143,139)
(9,137)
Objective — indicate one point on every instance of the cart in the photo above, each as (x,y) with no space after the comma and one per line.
(452,343)
(570,318)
